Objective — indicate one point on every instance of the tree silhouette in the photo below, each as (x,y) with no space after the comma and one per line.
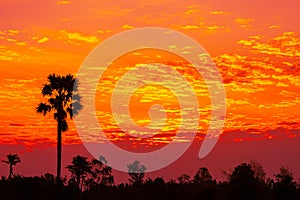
(243,184)
(63,100)
(203,185)
(183,179)
(202,176)
(79,169)
(12,159)
(259,173)
(285,185)
(101,172)
(136,171)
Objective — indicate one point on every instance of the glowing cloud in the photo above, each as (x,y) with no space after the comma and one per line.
(126,26)
(62,2)
(43,40)
(80,37)
(189,27)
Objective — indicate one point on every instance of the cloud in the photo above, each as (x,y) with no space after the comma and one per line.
(274,27)
(252,134)
(13,124)
(217,13)
(35,49)
(43,40)
(286,94)
(243,21)
(40,39)
(10,55)
(189,27)
(11,40)
(127,26)
(21,43)
(104,31)
(274,63)
(80,37)
(192,10)
(64,2)
(284,45)
(13,32)
(216,28)
(246,42)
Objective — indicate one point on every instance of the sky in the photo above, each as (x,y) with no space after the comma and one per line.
(255,45)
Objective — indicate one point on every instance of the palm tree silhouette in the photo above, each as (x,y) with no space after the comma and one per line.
(12,159)
(63,100)
(79,169)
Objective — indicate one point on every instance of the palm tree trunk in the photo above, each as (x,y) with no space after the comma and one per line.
(81,184)
(10,171)
(58,167)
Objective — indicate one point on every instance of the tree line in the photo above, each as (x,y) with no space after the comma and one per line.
(93,179)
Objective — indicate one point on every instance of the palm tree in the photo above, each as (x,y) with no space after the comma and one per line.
(12,159)
(79,169)
(64,102)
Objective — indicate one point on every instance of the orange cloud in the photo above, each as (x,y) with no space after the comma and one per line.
(243,21)
(274,26)
(43,40)
(127,26)
(189,27)
(217,13)
(13,32)
(217,28)
(10,55)
(64,2)
(79,37)
(192,10)
(286,44)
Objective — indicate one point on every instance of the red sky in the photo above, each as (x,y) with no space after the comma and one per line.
(255,44)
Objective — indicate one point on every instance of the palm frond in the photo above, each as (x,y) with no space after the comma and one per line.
(55,81)
(47,90)
(12,159)
(43,108)
(64,126)
(5,161)
(70,111)
(54,102)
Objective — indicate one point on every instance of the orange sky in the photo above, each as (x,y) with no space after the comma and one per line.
(255,45)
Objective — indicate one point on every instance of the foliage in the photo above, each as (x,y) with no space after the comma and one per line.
(97,180)
(136,171)
(89,174)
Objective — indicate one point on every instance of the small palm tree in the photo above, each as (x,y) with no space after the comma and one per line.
(64,102)
(12,159)
(79,169)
